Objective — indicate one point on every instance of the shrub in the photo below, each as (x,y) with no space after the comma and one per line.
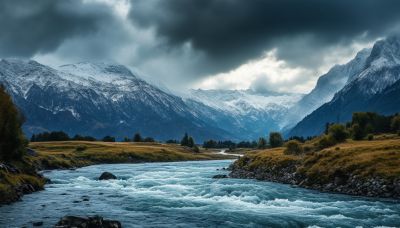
(325,142)
(370,137)
(275,139)
(108,139)
(196,149)
(80,148)
(338,132)
(293,147)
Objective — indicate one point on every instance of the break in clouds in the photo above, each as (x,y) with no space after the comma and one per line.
(228,44)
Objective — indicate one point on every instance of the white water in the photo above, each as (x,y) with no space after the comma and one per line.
(183,194)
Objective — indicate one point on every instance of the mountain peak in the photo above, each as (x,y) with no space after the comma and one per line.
(101,71)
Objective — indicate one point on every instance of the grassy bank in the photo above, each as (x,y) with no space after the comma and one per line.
(68,154)
(18,178)
(355,167)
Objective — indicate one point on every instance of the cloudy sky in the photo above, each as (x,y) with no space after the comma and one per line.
(212,44)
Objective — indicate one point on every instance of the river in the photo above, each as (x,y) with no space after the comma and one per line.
(183,194)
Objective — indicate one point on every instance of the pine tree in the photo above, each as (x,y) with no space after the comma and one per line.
(137,137)
(190,142)
(275,139)
(185,140)
(262,143)
(12,140)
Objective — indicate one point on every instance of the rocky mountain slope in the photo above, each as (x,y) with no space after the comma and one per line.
(374,88)
(98,100)
(327,85)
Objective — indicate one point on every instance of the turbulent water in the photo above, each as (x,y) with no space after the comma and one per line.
(183,194)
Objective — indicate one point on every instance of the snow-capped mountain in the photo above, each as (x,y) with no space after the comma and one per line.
(368,90)
(327,85)
(98,99)
(243,112)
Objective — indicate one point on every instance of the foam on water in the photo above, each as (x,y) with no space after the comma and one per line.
(184,194)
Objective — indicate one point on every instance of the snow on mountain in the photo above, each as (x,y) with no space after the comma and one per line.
(243,112)
(98,99)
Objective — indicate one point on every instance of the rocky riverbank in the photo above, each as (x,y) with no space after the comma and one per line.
(363,169)
(17,180)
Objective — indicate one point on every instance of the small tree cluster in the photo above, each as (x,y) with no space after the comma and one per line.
(108,139)
(275,139)
(187,141)
(58,136)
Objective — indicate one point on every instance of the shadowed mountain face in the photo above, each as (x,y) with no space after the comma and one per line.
(98,100)
(375,88)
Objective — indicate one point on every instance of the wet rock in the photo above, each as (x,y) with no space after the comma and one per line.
(31,152)
(107,176)
(40,223)
(95,221)
(220,176)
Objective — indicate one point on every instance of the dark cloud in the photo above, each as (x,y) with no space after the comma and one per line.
(29,27)
(233,31)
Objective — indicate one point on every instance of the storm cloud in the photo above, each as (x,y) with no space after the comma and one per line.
(232,31)
(187,43)
(30,27)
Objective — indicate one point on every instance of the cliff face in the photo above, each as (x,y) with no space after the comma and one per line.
(356,168)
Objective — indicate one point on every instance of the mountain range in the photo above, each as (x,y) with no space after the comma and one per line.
(373,86)
(101,99)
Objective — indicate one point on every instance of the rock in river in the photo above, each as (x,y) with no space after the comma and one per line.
(219,176)
(95,221)
(107,176)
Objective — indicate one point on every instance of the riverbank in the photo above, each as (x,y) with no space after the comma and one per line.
(363,168)
(19,178)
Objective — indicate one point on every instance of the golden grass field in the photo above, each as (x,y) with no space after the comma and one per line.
(79,153)
(377,158)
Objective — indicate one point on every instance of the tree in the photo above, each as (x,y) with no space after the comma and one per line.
(395,123)
(275,139)
(185,140)
(137,137)
(148,139)
(262,143)
(126,139)
(12,141)
(357,132)
(338,132)
(108,139)
(191,142)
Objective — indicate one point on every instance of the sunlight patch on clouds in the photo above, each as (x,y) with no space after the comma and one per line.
(120,7)
(265,74)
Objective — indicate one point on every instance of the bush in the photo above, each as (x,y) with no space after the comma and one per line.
(275,139)
(80,148)
(137,138)
(370,137)
(325,142)
(293,147)
(108,139)
(338,132)
(196,149)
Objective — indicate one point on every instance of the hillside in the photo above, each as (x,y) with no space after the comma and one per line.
(369,168)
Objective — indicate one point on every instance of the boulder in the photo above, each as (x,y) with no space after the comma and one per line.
(95,221)
(220,176)
(107,176)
